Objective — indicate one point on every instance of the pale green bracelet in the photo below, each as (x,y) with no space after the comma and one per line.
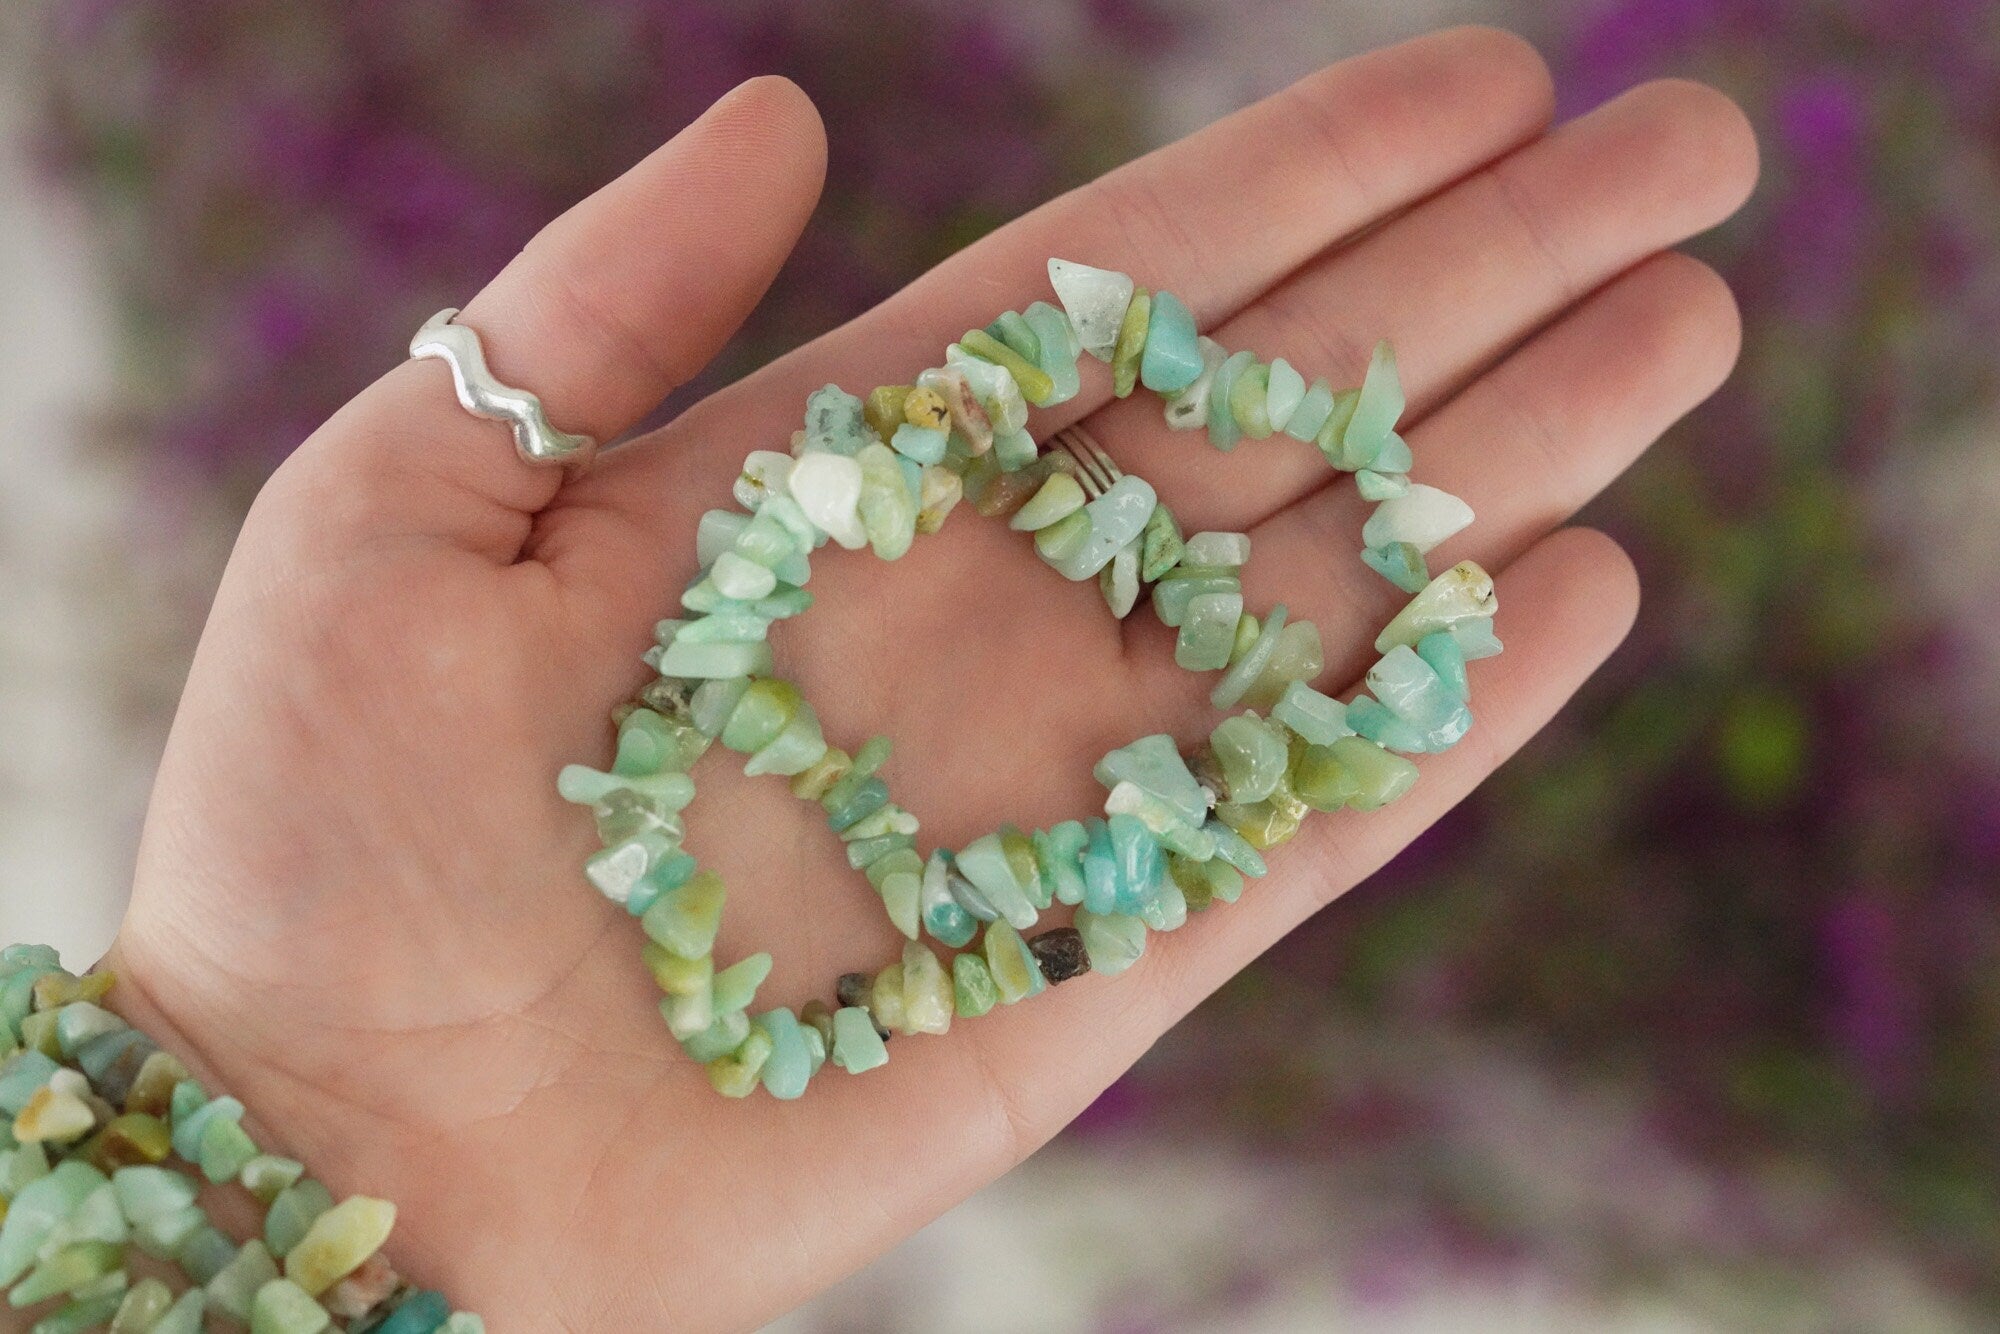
(1178,833)
(96,1117)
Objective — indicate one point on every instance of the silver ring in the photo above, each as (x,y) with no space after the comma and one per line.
(535,439)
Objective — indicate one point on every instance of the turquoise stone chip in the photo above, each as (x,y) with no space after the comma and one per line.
(1172,357)
(1233,848)
(835,422)
(789,1066)
(1058,351)
(204,1253)
(34,1213)
(925,444)
(80,1021)
(1447,659)
(1139,860)
(1372,485)
(671,873)
(1014,450)
(723,1036)
(1173,595)
(1283,393)
(1253,755)
(1401,563)
(1208,632)
(983,862)
(716,532)
(1058,498)
(1371,719)
(1476,639)
(225,1148)
(1154,765)
(736,986)
(85,1313)
(943,915)
(1223,430)
(188,1129)
(1115,518)
(145,1193)
(856,1045)
(715,661)
(1311,413)
(293,1213)
(188,1315)
(21,1076)
(419,1313)
(1317,718)
(1057,853)
(870,796)
(1113,941)
(1012,329)
(865,852)
(1100,870)
(234,1288)
(1394,456)
(1167,908)
(1236,682)
(1160,545)
(1377,410)
(283,1307)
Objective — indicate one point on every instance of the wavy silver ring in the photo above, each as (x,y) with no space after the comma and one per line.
(535,439)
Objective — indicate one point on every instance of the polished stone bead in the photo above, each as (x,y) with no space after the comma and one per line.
(1253,755)
(1443,655)
(898,878)
(883,409)
(1115,518)
(1222,550)
(969,419)
(1284,390)
(789,1066)
(1130,348)
(268,1176)
(88,1309)
(712,703)
(856,1045)
(1059,497)
(741,579)
(1205,882)
(1223,429)
(419,1313)
(1331,441)
(1096,301)
(66,1270)
(1012,963)
(853,800)
(1100,869)
(1377,409)
(188,1315)
(1154,764)
(922,443)
(835,422)
(1463,593)
(719,1039)
(1247,395)
(1475,639)
(1208,631)
(1172,357)
(888,505)
(1167,908)
(338,1241)
(796,748)
(1188,409)
(1353,772)
(1372,485)
(1174,833)
(1400,563)
(1012,328)
(1423,516)
(944,916)
(1119,581)
(225,1148)
(1059,349)
(1311,412)
(285,1306)
(760,714)
(54,1116)
(927,991)
(1140,861)
(1033,382)
(34,1214)
(1060,954)
(1063,540)
(997,390)
(1299,656)
(685,921)
(80,1021)
(715,661)
(985,864)
(1317,718)
(142,1307)
(1113,942)
(234,1289)
(737,1075)
(827,488)
(973,990)
(1245,671)
(1173,594)
(766,473)
(926,410)
(1160,544)
(290,1216)
(939,490)
(1057,851)
(190,1126)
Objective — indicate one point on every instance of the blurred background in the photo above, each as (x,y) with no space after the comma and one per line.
(1690,1020)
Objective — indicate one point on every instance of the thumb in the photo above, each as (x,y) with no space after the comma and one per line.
(604,312)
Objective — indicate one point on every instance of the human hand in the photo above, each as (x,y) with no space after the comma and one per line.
(358,905)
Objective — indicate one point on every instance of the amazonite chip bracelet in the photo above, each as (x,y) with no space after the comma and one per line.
(1178,831)
(106,1147)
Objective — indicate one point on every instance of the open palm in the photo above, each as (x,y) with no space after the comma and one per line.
(359,906)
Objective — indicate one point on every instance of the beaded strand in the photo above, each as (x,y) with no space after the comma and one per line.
(106,1145)
(1178,833)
